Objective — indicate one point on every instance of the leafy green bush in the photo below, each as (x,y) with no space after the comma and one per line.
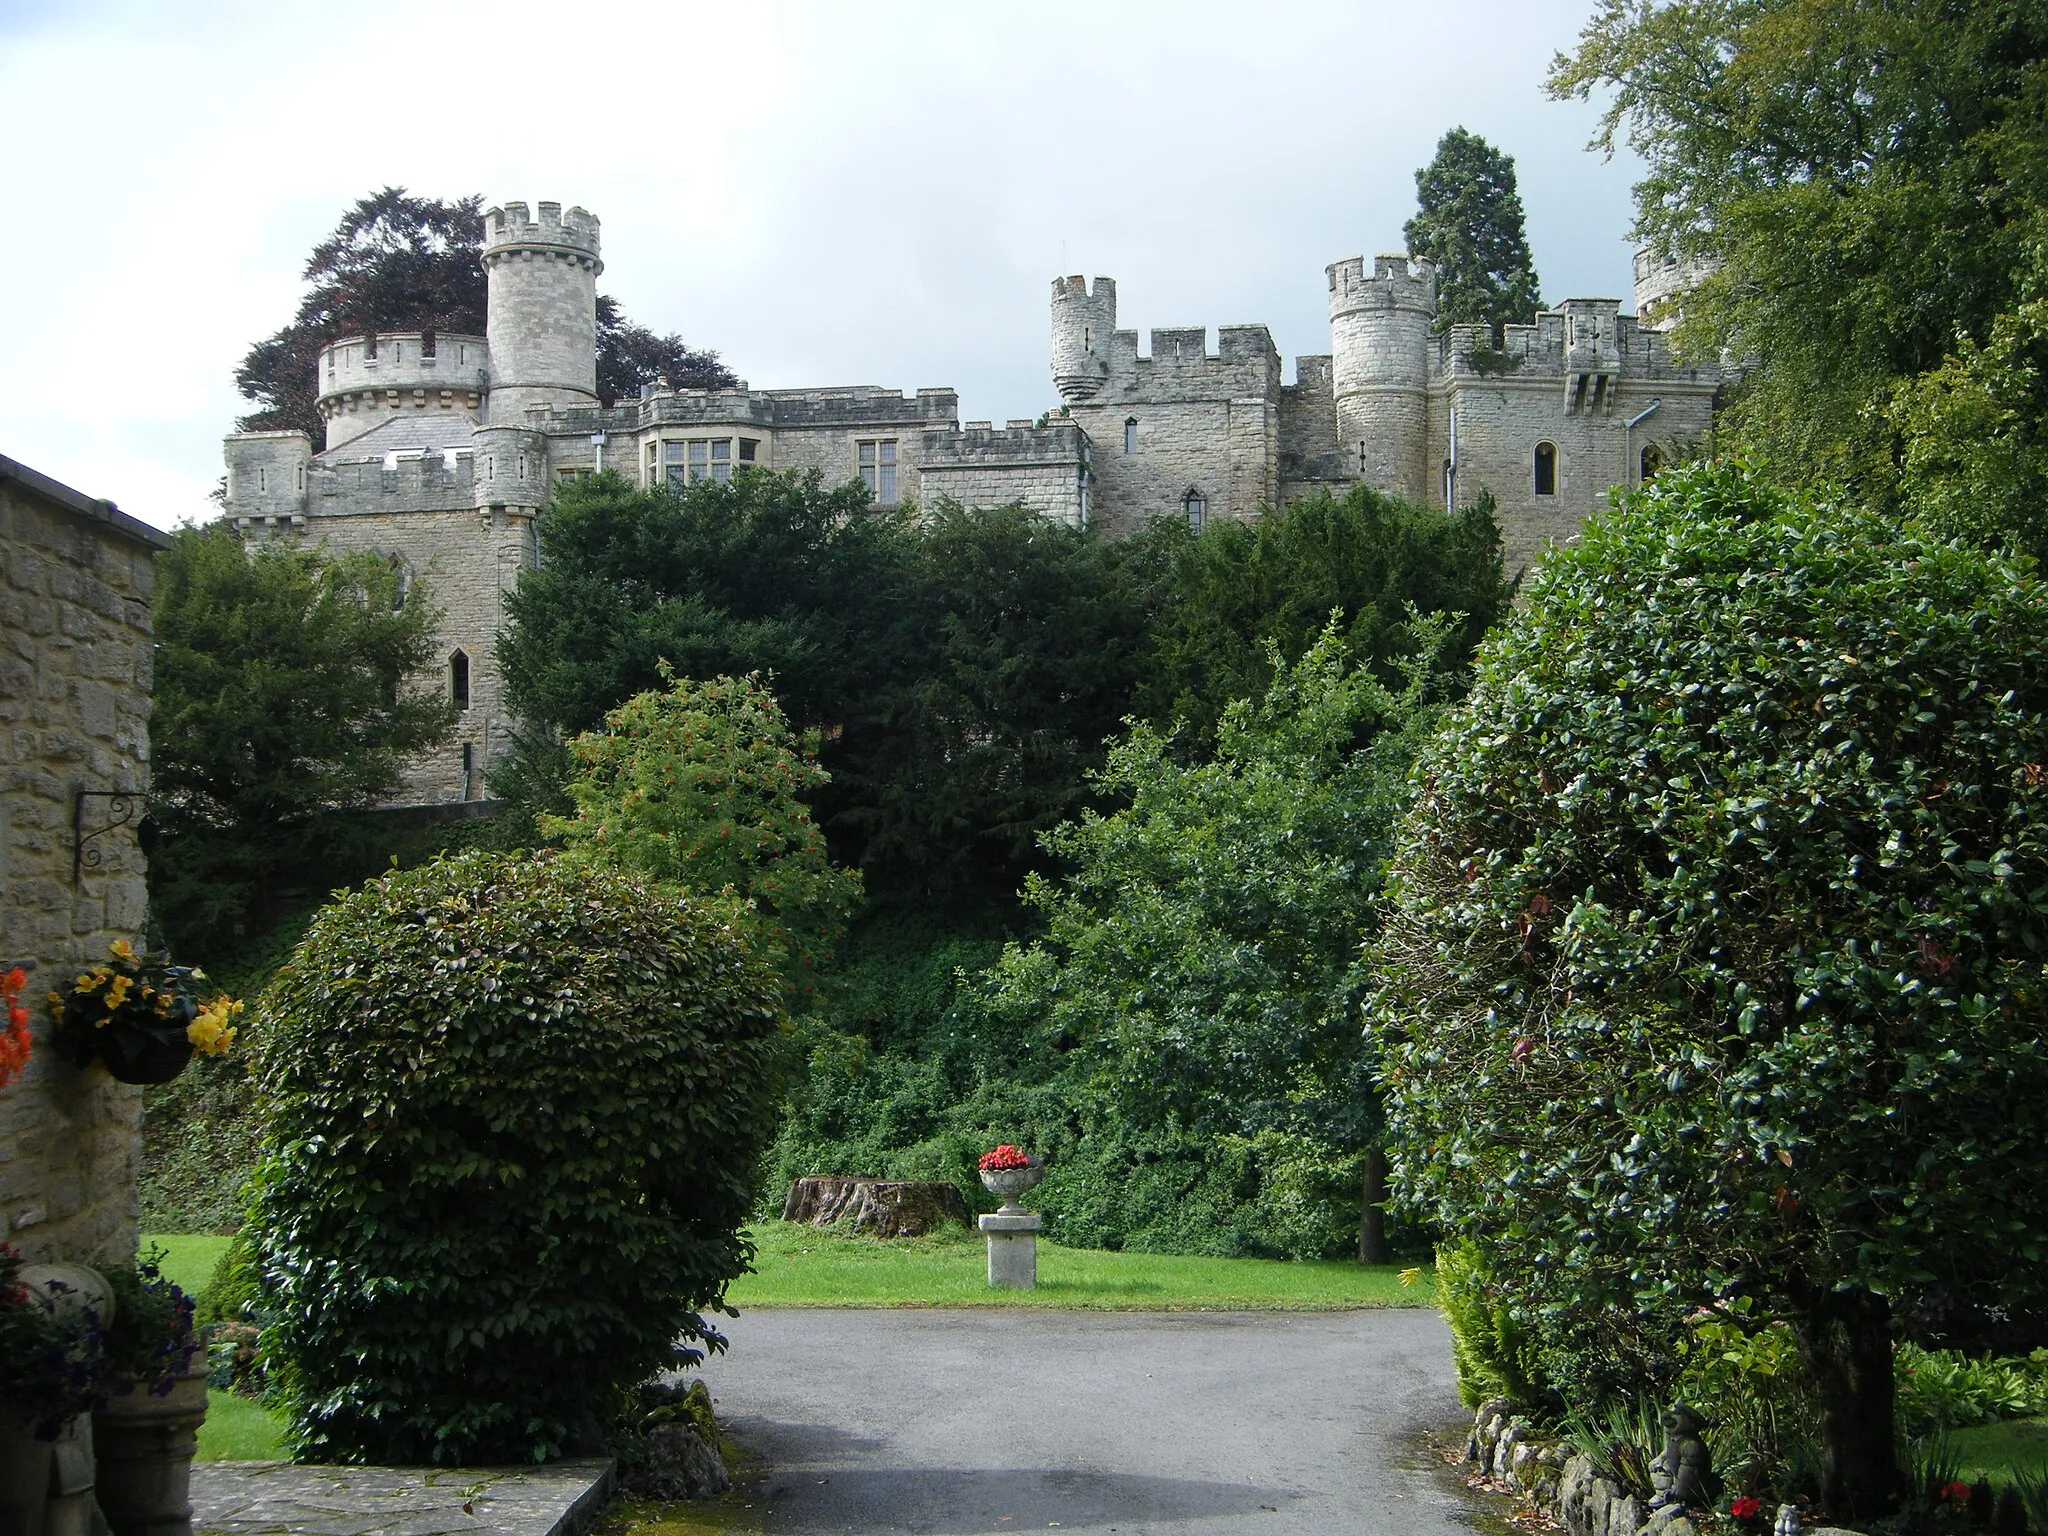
(1719,952)
(1940,1389)
(703,785)
(512,1111)
(1494,1355)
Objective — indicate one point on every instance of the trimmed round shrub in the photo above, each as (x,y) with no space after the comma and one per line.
(1719,945)
(512,1110)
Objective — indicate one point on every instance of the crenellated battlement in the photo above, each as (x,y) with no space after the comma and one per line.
(1397,281)
(363,379)
(510,228)
(1083,324)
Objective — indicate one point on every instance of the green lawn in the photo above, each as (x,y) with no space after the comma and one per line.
(239,1429)
(808,1266)
(190,1258)
(1998,1450)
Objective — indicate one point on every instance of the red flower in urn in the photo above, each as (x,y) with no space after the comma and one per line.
(1004,1156)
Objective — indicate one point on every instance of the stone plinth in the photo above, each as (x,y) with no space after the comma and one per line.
(1013,1249)
(275,1498)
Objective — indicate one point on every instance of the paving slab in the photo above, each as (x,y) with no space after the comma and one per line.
(960,1422)
(276,1498)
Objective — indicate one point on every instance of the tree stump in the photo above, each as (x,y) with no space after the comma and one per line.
(889,1207)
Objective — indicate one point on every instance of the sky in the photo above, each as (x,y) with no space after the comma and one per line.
(826,194)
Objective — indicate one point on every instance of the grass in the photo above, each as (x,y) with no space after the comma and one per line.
(1998,1450)
(189,1258)
(239,1429)
(800,1266)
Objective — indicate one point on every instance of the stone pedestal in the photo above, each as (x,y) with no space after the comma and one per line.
(1013,1249)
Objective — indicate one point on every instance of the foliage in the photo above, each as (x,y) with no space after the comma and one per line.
(962,670)
(630,355)
(123,1007)
(397,262)
(1242,590)
(1974,431)
(280,706)
(1871,178)
(1471,227)
(1942,1389)
(704,786)
(1195,988)
(1621,1441)
(151,1340)
(1717,945)
(1745,1374)
(1493,1353)
(513,1109)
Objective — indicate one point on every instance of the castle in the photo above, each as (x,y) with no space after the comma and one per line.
(441,450)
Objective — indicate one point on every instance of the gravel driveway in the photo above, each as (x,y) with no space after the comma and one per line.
(1140,1423)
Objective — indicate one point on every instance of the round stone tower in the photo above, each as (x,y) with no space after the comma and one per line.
(1081,327)
(542,278)
(1379,364)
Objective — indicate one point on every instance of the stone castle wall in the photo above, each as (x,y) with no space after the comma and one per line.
(1020,464)
(75,582)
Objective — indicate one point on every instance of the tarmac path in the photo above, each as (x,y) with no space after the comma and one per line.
(963,1421)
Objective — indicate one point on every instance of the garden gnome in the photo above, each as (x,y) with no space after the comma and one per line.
(1683,1473)
(1788,1521)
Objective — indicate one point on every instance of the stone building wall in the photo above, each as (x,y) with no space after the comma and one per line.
(75,583)
(1020,464)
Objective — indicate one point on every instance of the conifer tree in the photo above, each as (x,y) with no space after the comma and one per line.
(1471,227)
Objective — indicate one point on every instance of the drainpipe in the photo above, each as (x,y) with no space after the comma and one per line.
(1628,439)
(1451,480)
(597,443)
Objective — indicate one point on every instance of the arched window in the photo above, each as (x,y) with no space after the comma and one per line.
(458,679)
(1130,434)
(1546,469)
(1196,505)
(401,582)
(1653,460)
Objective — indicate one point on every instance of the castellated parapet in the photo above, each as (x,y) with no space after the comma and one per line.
(1380,327)
(1082,325)
(541,276)
(366,379)
(1661,283)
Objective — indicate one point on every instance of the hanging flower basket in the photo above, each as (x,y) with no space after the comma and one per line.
(141,1017)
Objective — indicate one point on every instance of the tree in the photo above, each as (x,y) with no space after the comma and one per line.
(1718,947)
(1871,179)
(1471,227)
(1200,954)
(280,704)
(1242,593)
(397,262)
(962,670)
(704,786)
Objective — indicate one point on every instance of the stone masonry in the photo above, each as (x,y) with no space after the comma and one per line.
(75,582)
(440,451)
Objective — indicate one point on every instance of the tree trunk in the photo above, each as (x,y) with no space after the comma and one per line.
(1846,1339)
(1372,1219)
(889,1207)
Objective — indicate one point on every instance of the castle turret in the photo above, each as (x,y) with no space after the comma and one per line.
(267,477)
(1081,327)
(1379,346)
(1662,283)
(365,380)
(542,278)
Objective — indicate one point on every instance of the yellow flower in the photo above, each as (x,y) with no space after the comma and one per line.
(122,949)
(1410,1276)
(117,991)
(87,980)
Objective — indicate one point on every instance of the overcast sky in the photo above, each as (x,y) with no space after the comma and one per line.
(824,193)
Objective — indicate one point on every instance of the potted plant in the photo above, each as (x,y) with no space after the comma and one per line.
(1009,1172)
(145,1424)
(49,1363)
(141,1017)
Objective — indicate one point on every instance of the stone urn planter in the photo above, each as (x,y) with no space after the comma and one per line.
(144,1442)
(1009,1184)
